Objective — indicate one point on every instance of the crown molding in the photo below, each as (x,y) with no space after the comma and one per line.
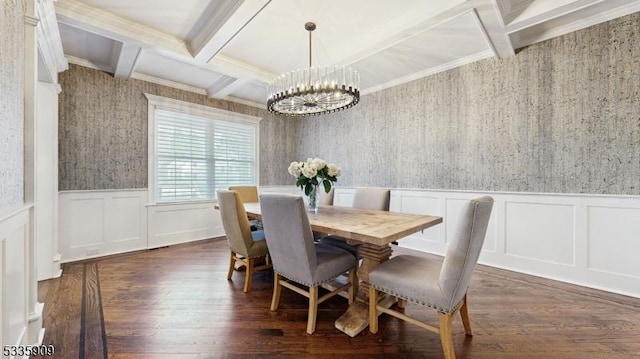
(241,101)
(86,63)
(168,83)
(433,70)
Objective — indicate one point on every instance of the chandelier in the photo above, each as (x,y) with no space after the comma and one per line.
(314,90)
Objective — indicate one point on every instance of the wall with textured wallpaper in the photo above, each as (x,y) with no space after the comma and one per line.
(103,131)
(11,104)
(562,116)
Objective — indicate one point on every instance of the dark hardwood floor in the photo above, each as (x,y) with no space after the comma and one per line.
(176,302)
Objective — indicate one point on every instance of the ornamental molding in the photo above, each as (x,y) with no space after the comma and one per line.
(49,41)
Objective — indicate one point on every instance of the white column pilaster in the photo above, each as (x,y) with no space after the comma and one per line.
(35,331)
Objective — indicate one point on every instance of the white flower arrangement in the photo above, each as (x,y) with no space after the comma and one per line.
(313,172)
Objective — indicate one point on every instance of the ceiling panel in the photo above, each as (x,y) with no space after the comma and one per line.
(450,42)
(276,40)
(87,46)
(154,64)
(173,17)
(253,92)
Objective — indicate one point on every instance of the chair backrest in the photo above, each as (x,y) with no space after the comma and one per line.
(372,198)
(248,194)
(464,250)
(289,236)
(235,222)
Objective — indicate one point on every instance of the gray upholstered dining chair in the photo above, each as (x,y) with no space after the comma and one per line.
(364,198)
(295,256)
(246,246)
(441,286)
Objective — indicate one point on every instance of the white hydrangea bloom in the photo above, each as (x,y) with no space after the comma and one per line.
(295,168)
(319,163)
(333,170)
(309,169)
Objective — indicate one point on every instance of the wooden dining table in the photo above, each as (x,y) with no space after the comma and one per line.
(373,231)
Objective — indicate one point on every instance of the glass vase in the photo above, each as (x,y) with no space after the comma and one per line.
(312,200)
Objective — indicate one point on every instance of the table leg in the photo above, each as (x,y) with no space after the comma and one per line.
(356,318)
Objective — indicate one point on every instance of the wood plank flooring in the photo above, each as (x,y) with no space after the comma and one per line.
(175,302)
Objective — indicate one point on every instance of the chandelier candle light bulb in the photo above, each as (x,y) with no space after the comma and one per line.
(310,174)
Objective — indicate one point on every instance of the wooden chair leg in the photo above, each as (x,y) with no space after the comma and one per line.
(275,300)
(353,280)
(446,336)
(232,263)
(373,312)
(402,303)
(313,309)
(464,314)
(249,274)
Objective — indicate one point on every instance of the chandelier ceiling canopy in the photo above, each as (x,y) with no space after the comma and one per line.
(314,90)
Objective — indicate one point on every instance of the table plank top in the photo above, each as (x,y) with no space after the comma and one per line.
(362,225)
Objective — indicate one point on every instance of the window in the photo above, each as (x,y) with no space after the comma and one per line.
(195,150)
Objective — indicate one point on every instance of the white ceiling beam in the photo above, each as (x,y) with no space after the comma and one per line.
(492,21)
(222,89)
(523,22)
(221,26)
(125,59)
(574,21)
(232,67)
(100,22)
(103,23)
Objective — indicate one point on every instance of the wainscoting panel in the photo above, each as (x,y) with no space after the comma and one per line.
(614,236)
(179,223)
(590,240)
(14,239)
(98,223)
(540,231)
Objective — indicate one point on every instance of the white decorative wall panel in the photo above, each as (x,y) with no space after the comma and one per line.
(126,218)
(540,231)
(98,223)
(82,222)
(173,224)
(14,239)
(614,240)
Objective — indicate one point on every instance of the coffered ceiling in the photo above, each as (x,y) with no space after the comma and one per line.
(232,49)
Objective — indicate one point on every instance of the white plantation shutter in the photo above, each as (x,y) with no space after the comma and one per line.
(196,156)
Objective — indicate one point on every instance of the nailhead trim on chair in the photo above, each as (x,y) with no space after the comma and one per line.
(417,301)
(305,283)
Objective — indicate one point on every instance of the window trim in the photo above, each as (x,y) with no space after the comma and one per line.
(163,103)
